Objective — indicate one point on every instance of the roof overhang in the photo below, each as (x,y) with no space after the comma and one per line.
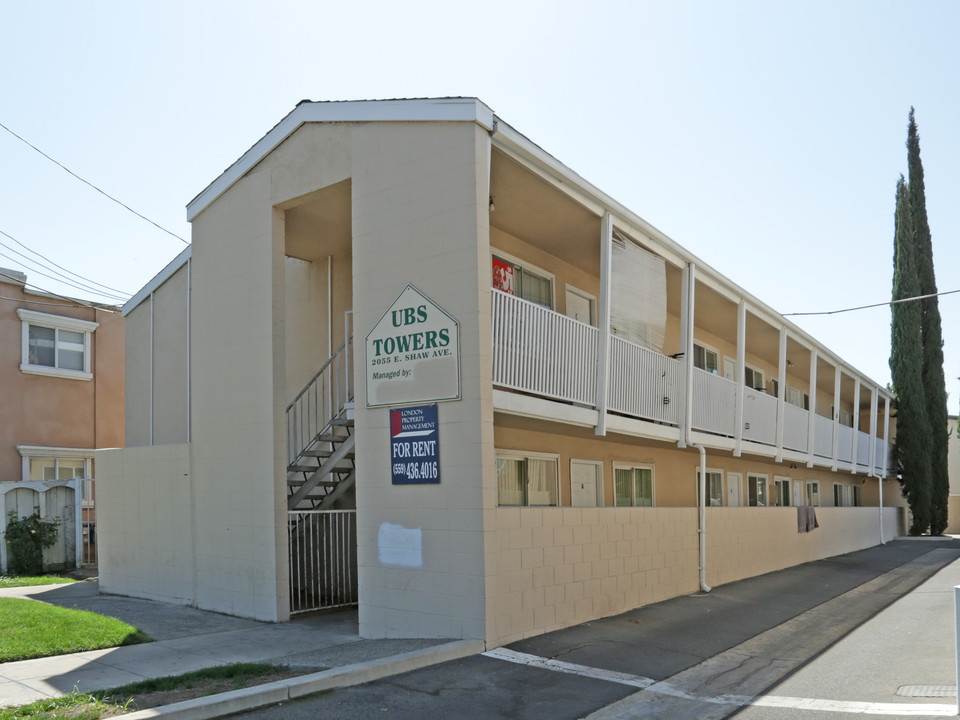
(420,110)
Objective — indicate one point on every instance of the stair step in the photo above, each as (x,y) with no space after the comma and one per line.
(324,483)
(327,453)
(342,422)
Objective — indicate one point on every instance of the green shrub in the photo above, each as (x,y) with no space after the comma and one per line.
(26,539)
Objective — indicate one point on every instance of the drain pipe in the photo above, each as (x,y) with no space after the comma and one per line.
(702,517)
(880,483)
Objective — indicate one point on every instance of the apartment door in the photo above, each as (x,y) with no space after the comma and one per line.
(585,482)
(729,368)
(579,306)
(734,498)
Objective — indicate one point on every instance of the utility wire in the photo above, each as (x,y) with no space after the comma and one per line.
(87,182)
(65,278)
(41,255)
(67,282)
(881,304)
(75,301)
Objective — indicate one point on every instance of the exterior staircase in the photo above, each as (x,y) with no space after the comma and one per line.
(320,438)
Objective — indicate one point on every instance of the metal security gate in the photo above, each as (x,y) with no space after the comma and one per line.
(323,559)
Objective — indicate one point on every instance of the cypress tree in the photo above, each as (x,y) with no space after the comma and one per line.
(934,385)
(906,360)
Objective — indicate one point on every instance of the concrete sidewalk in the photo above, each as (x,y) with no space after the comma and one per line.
(187,639)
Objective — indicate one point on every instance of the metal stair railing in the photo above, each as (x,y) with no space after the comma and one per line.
(319,403)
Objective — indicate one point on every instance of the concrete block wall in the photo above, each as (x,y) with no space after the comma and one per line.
(145,523)
(557,567)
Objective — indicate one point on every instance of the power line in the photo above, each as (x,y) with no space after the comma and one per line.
(53,294)
(87,182)
(881,304)
(64,278)
(66,281)
(41,255)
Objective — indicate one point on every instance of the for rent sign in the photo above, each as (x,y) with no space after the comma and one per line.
(413,353)
(415,445)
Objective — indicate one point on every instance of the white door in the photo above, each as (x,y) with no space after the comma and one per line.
(729,368)
(579,307)
(733,489)
(584,483)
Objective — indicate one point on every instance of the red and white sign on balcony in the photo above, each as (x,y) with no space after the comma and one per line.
(413,353)
(502,276)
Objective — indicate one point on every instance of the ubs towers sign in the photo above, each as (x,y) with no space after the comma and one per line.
(413,353)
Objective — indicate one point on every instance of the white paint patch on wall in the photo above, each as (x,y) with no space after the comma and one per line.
(400,546)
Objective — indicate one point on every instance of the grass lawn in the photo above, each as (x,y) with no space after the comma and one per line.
(8,581)
(148,693)
(33,629)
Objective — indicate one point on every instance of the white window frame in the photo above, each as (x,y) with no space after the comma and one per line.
(55,322)
(35,452)
(707,349)
(809,484)
(846,495)
(530,267)
(723,486)
(636,466)
(755,372)
(524,456)
(779,480)
(766,488)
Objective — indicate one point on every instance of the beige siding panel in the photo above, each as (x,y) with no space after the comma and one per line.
(137,397)
(171,360)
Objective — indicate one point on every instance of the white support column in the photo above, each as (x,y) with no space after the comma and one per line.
(687,308)
(781,392)
(812,413)
(873,429)
(856,424)
(603,354)
(738,375)
(836,416)
(886,435)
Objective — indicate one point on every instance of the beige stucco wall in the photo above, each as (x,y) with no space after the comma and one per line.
(138,354)
(171,360)
(145,523)
(561,566)
(420,216)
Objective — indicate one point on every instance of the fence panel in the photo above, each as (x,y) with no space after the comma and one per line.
(323,559)
(543,352)
(714,399)
(644,383)
(759,417)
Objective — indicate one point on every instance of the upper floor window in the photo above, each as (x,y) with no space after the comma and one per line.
(523,281)
(753,378)
(55,345)
(705,358)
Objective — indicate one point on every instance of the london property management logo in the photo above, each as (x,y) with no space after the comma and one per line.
(413,353)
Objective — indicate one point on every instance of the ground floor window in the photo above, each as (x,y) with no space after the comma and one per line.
(782,486)
(813,493)
(857,496)
(757,490)
(714,487)
(633,486)
(527,479)
(43,464)
(843,495)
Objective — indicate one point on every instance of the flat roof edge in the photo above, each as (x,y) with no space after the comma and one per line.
(159,279)
(421,110)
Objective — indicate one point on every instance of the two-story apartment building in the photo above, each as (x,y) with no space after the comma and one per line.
(542,409)
(61,398)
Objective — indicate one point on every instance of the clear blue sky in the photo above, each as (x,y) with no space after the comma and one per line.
(765,137)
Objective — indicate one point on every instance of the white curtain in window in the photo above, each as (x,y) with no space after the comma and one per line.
(638,295)
(510,484)
(542,482)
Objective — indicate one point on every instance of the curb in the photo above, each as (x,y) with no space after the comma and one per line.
(214,706)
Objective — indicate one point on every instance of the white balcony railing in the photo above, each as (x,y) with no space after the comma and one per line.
(796,429)
(823,436)
(759,417)
(714,399)
(540,351)
(644,383)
